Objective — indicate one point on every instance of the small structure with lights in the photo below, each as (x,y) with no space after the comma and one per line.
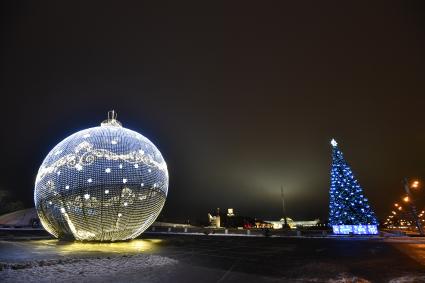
(105,183)
(349,209)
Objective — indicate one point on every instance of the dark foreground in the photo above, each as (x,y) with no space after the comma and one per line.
(216,259)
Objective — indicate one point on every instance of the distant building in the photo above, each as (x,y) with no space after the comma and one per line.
(21,218)
(293,224)
(229,219)
(214,221)
(263,224)
(307,223)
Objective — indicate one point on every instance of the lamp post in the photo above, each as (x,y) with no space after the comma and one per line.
(409,199)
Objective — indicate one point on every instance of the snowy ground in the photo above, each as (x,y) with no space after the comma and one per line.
(201,258)
(153,268)
(85,269)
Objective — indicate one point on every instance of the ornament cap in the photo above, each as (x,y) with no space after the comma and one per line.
(112,120)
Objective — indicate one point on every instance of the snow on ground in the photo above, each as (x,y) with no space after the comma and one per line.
(408,279)
(81,270)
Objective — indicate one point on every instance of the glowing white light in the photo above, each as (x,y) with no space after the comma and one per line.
(86,196)
(59,172)
(349,211)
(114,142)
(355,229)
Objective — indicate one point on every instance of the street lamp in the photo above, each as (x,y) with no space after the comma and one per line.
(409,199)
(415,184)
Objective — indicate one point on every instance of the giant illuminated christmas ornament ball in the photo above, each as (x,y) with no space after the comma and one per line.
(105,183)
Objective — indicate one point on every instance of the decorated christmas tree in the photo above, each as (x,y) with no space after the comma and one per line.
(349,209)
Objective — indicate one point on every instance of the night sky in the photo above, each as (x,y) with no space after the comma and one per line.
(239,97)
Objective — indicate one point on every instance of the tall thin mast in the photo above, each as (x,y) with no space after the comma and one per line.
(283,207)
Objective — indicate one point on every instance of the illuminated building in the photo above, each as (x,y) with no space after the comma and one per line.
(105,183)
(293,224)
(215,220)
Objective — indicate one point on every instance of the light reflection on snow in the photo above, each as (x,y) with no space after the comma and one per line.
(66,248)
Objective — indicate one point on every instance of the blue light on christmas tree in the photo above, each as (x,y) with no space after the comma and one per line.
(349,209)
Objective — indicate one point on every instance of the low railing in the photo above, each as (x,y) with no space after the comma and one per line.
(236,232)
